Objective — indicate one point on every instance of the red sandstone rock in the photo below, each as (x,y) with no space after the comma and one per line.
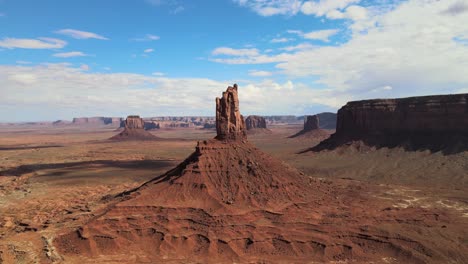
(254,121)
(230,124)
(437,122)
(134,130)
(311,122)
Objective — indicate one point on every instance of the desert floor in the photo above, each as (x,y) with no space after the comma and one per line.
(56,177)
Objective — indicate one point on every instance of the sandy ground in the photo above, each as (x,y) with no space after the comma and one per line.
(51,178)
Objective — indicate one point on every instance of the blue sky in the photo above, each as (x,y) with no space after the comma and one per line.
(61,59)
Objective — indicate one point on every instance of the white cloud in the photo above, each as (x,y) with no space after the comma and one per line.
(70,54)
(59,91)
(158,74)
(23,62)
(280,40)
(272,7)
(456,8)
(410,48)
(77,34)
(322,7)
(302,46)
(39,43)
(256,73)
(84,67)
(147,37)
(322,35)
(148,50)
(234,52)
(414,47)
(178,10)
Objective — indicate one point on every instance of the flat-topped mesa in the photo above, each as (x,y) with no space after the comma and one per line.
(134,122)
(412,115)
(438,122)
(254,121)
(134,129)
(230,124)
(311,122)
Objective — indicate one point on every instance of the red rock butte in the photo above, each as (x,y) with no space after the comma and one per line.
(134,130)
(312,129)
(254,122)
(437,123)
(230,124)
(230,202)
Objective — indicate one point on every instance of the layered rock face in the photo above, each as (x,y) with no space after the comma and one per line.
(312,129)
(134,122)
(311,122)
(433,122)
(134,129)
(230,124)
(254,121)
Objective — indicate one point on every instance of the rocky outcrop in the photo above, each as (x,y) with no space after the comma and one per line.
(311,122)
(312,129)
(327,120)
(134,129)
(254,121)
(134,122)
(230,123)
(437,122)
(151,125)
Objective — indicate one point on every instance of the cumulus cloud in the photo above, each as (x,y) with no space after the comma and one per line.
(322,7)
(77,34)
(147,37)
(70,54)
(280,40)
(39,43)
(322,35)
(256,73)
(272,7)
(235,52)
(414,47)
(60,91)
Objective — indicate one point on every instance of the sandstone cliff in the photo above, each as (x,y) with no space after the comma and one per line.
(230,124)
(437,122)
(134,129)
(312,129)
(254,121)
(311,122)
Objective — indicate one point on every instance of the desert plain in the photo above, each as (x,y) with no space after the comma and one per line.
(57,178)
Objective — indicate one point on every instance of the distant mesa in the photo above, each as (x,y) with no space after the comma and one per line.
(312,129)
(151,125)
(436,123)
(230,202)
(97,121)
(256,124)
(147,125)
(61,122)
(311,123)
(134,129)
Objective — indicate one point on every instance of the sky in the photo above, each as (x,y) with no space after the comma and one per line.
(64,59)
